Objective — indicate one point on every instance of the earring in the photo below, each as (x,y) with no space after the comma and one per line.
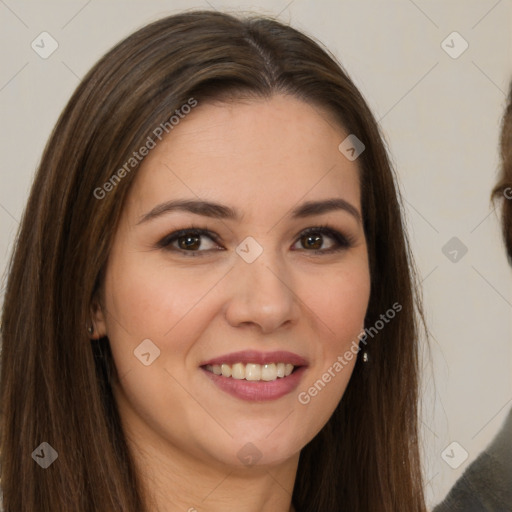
(90,329)
(365,357)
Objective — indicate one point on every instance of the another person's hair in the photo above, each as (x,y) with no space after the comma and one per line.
(503,188)
(56,383)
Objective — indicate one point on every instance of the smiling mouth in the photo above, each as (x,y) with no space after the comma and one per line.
(252,371)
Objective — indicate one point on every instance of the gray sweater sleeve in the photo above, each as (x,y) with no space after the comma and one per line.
(486,485)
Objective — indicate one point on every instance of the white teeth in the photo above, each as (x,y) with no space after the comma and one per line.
(226,370)
(269,372)
(252,371)
(238,371)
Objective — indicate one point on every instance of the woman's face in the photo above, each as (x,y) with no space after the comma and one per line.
(263,288)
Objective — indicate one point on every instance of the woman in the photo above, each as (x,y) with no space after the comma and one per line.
(213,224)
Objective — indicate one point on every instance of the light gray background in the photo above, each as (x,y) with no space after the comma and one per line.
(440,117)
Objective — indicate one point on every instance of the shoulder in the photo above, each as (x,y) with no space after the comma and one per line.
(487,483)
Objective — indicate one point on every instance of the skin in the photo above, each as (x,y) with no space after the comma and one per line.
(263,158)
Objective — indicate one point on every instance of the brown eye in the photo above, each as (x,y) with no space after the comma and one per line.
(313,239)
(189,242)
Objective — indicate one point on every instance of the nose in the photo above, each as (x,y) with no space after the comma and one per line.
(262,294)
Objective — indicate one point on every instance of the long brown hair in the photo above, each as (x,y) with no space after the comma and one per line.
(55,382)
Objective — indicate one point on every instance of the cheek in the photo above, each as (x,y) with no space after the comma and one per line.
(340,300)
(340,304)
(151,301)
(154,302)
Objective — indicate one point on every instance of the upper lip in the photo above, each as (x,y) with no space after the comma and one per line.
(253,356)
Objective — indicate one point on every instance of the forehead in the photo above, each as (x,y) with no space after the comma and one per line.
(262,151)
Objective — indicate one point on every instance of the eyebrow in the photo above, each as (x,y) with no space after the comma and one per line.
(219,211)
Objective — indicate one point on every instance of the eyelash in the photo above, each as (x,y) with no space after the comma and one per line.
(343,242)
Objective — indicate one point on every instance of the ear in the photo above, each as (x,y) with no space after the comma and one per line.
(98,320)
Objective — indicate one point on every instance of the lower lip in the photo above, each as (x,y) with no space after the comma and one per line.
(258,391)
